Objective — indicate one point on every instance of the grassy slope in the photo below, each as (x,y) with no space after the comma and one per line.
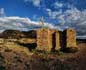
(16,57)
(13,57)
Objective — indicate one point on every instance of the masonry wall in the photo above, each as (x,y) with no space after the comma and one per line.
(51,39)
(70,38)
(48,39)
(42,39)
(58,46)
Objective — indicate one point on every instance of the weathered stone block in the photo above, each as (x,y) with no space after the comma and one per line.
(70,37)
(57,40)
(42,39)
(50,39)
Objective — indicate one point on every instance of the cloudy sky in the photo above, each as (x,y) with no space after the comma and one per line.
(58,14)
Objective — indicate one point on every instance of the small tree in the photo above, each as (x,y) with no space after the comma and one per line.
(42,21)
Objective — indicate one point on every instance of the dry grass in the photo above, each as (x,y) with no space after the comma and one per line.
(25,40)
(16,57)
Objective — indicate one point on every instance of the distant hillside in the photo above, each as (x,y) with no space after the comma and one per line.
(18,34)
(12,34)
(81,40)
(30,34)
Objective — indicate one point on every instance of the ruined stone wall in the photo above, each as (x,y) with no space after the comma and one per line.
(57,40)
(70,38)
(51,37)
(42,39)
(48,39)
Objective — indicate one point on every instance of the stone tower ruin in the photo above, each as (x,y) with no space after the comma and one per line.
(50,39)
(47,39)
(70,37)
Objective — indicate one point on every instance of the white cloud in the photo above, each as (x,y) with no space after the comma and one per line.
(61,19)
(34,2)
(2,12)
(53,14)
(72,14)
(71,17)
(58,5)
(15,22)
(19,23)
(76,19)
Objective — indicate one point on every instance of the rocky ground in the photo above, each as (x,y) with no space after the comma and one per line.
(16,57)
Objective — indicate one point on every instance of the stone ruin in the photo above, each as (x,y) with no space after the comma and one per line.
(70,38)
(48,39)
